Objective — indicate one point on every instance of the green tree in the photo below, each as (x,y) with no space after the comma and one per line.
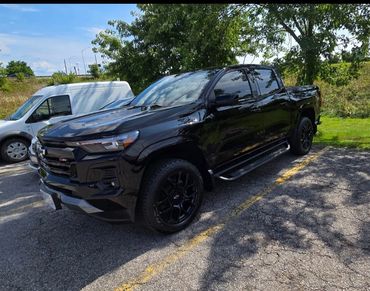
(166,39)
(356,54)
(3,72)
(3,80)
(95,71)
(15,67)
(316,28)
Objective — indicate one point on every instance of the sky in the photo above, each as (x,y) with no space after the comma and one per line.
(44,35)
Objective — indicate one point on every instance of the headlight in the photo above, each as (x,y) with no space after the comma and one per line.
(109,144)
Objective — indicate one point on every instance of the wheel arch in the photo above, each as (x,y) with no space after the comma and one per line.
(12,135)
(310,113)
(178,149)
(16,134)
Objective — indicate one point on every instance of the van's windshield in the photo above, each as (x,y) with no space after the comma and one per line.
(24,108)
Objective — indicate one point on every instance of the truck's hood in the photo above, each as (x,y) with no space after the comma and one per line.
(107,123)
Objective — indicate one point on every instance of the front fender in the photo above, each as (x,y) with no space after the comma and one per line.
(12,134)
(178,147)
(160,146)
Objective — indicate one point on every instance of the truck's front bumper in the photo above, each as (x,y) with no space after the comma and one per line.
(90,191)
(58,199)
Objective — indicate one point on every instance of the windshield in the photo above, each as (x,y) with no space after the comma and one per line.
(25,107)
(175,89)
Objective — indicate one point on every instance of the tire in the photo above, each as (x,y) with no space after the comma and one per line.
(171,195)
(14,150)
(301,141)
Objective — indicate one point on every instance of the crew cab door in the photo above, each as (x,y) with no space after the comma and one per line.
(233,129)
(51,111)
(274,104)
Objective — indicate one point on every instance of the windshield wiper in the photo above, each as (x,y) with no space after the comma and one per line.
(147,107)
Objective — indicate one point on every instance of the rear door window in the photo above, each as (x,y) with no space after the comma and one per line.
(266,81)
(60,105)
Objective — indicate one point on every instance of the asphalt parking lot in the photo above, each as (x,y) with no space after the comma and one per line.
(295,223)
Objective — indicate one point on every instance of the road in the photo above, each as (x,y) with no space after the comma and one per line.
(291,224)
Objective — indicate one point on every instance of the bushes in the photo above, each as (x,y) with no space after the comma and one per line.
(62,78)
(95,71)
(352,99)
(4,84)
(20,76)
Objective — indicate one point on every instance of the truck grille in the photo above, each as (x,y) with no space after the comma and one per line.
(56,160)
(56,166)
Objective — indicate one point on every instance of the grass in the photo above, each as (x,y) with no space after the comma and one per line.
(344,132)
(17,92)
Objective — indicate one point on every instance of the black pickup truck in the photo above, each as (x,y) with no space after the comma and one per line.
(151,160)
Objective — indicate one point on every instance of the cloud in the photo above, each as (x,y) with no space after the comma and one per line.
(45,55)
(18,7)
(44,66)
(93,30)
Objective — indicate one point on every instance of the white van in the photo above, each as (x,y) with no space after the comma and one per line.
(50,105)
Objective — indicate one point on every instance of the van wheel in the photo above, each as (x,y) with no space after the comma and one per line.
(171,195)
(14,150)
(301,141)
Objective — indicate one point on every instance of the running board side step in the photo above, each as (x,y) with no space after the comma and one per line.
(244,167)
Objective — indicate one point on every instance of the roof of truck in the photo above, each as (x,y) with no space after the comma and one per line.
(240,66)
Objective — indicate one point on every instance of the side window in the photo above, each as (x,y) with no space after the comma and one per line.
(266,81)
(60,105)
(234,83)
(54,106)
(42,112)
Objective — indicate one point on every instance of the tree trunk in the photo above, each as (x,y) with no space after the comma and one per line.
(310,64)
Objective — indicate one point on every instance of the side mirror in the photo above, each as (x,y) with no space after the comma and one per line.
(227,100)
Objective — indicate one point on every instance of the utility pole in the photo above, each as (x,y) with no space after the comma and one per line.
(83,60)
(96,62)
(65,66)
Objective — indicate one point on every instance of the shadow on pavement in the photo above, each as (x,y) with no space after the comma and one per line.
(323,207)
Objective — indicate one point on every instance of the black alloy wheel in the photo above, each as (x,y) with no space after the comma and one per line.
(177,198)
(171,195)
(306,136)
(301,140)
